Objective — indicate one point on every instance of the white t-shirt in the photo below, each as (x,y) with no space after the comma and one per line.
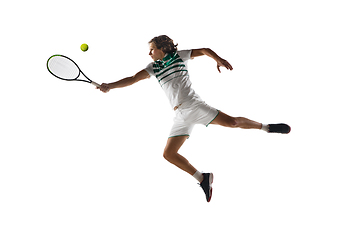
(172,75)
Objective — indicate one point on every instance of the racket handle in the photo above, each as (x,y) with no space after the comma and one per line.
(95,84)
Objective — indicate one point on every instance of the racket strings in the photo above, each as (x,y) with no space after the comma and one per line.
(63,68)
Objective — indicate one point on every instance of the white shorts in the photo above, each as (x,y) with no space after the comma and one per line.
(190,113)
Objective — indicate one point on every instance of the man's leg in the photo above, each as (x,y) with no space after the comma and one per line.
(171,154)
(225,120)
(240,122)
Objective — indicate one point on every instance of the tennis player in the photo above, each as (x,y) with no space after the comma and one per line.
(169,66)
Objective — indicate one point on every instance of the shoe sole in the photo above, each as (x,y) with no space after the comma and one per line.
(211,180)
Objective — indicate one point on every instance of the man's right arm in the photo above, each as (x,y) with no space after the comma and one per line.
(106,87)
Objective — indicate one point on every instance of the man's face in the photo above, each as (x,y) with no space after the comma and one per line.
(155,54)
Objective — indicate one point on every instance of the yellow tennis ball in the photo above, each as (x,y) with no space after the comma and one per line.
(84,47)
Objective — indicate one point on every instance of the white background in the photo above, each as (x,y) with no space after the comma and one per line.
(80,164)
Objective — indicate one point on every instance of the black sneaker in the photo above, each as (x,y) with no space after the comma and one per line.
(206,185)
(279,128)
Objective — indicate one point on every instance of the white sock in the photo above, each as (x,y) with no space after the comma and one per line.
(198,176)
(265,127)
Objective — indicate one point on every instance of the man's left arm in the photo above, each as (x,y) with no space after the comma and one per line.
(210,53)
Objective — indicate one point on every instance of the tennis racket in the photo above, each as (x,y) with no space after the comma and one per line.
(66,69)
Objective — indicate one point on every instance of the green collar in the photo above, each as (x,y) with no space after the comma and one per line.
(166,60)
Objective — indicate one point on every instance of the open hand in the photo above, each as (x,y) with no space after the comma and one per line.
(223,63)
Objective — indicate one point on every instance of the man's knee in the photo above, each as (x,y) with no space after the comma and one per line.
(231,122)
(241,122)
(168,155)
(225,120)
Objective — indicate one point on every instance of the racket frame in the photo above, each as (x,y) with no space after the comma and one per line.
(73,79)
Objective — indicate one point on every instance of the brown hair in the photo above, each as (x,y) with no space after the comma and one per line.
(164,43)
